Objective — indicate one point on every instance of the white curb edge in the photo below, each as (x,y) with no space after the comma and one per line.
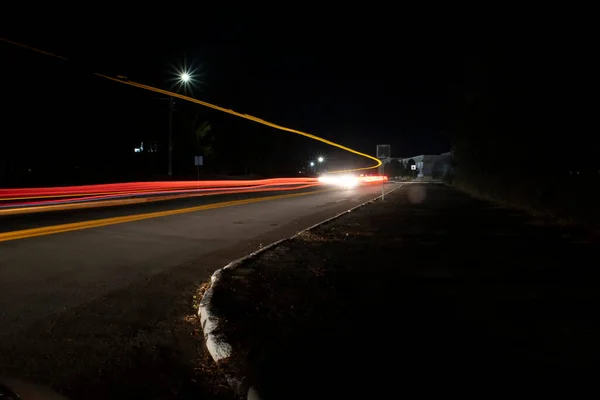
(220,349)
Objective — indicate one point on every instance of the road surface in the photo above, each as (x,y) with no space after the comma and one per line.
(78,302)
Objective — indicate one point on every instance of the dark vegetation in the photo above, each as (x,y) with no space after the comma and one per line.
(521,130)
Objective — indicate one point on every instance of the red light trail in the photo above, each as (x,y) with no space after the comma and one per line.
(30,200)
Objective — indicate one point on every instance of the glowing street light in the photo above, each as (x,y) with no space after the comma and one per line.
(321,159)
(312,163)
(185,79)
(182,78)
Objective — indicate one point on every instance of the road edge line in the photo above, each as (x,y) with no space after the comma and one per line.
(209,321)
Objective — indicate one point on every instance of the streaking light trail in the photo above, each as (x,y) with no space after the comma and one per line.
(126,81)
(27,200)
(129,199)
(139,187)
(20,201)
(34,200)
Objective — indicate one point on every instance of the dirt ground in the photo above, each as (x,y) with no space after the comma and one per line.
(428,292)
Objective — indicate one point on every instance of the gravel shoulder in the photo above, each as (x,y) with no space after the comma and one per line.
(430,291)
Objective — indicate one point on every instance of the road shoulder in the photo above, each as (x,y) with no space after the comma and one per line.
(428,285)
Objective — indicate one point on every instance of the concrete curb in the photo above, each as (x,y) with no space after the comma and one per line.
(220,349)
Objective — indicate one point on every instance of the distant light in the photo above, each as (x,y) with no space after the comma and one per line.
(137,150)
(312,164)
(320,159)
(185,77)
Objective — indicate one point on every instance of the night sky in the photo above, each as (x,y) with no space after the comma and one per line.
(357,84)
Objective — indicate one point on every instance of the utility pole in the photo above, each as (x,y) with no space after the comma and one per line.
(171,100)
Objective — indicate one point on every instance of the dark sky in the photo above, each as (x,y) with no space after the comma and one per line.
(383,79)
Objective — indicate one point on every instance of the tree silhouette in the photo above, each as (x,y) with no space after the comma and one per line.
(204,140)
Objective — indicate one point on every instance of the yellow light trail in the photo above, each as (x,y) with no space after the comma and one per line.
(218,108)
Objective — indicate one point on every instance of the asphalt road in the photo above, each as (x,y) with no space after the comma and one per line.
(76,303)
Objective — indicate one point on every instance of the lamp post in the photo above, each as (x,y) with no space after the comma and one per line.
(171,101)
(184,78)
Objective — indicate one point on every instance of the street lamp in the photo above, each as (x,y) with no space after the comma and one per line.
(184,78)
(312,163)
(320,159)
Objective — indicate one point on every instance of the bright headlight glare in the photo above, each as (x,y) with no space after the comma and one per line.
(339,180)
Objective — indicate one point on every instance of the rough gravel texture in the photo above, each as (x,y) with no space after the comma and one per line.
(428,292)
